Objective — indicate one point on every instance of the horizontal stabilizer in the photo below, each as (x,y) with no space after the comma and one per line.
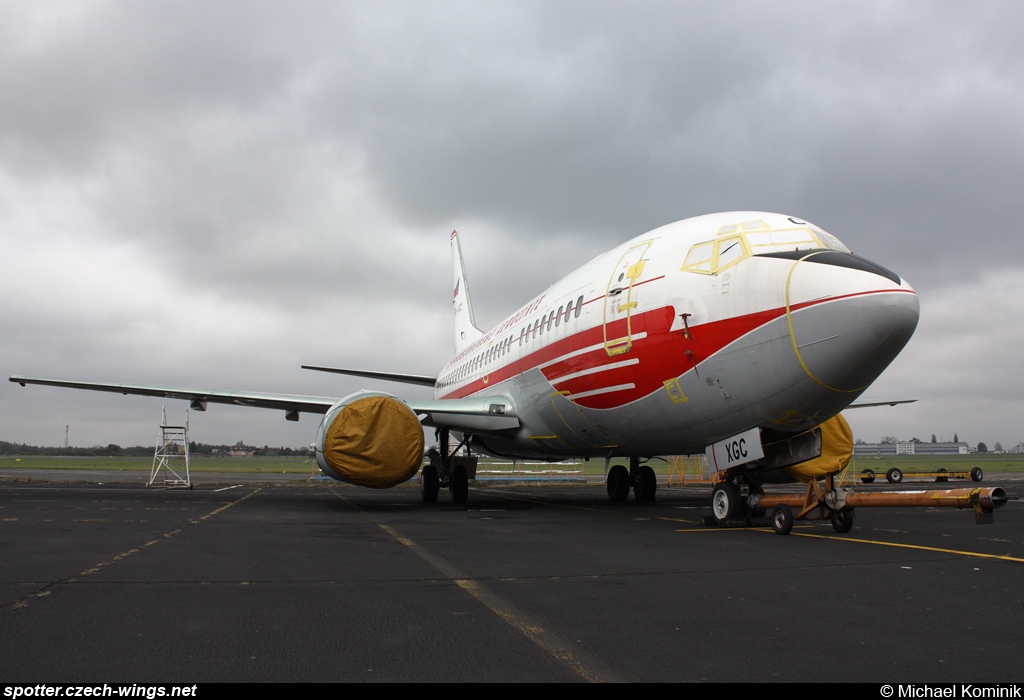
(869,404)
(420,379)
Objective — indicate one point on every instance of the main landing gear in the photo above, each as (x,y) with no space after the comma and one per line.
(640,478)
(447,470)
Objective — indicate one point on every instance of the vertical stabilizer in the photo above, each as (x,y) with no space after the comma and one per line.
(466,332)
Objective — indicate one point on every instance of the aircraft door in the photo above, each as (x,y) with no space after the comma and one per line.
(621,299)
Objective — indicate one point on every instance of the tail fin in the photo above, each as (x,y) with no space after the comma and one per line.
(466,332)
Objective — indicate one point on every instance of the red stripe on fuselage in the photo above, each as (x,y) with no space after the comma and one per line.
(662,354)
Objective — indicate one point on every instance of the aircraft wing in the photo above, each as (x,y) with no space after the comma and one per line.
(199,397)
(476,414)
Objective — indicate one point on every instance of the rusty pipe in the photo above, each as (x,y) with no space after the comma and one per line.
(986,499)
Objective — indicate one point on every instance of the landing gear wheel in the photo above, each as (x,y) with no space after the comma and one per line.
(842,521)
(459,484)
(645,486)
(430,484)
(977,474)
(941,479)
(894,476)
(867,476)
(725,502)
(618,484)
(782,519)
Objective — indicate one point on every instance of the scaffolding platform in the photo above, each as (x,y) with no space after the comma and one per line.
(170,458)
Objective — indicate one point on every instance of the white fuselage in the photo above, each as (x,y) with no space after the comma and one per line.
(686,335)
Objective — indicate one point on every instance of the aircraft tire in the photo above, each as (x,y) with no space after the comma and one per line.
(725,502)
(894,476)
(430,484)
(618,484)
(646,485)
(843,521)
(867,476)
(977,474)
(941,479)
(782,519)
(459,484)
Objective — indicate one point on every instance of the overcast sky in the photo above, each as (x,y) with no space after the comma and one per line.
(210,194)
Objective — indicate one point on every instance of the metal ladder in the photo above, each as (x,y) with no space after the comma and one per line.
(171,456)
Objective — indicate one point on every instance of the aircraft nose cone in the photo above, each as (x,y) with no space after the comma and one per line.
(893,317)
(853,326)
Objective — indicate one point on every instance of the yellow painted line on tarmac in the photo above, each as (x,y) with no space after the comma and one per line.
(675,520)
(580,663)
(925,548)
(46,590)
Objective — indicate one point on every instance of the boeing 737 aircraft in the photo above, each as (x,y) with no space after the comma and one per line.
(742,334)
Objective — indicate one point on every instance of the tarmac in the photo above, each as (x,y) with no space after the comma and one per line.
(256,578)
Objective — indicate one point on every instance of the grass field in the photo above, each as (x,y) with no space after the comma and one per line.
(995,463)
(990,463)
(257,465)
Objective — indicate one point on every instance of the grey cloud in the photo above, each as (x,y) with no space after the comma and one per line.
(302,164)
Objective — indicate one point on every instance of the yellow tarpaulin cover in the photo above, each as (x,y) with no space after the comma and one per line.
(375,441)
(836,451)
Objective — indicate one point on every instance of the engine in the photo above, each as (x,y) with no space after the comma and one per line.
(836,451)
(370,439)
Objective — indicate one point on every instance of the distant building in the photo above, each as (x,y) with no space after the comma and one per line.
(891,449)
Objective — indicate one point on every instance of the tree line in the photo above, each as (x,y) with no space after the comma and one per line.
(112,450)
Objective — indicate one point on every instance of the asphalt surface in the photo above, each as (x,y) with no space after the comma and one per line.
(246,578)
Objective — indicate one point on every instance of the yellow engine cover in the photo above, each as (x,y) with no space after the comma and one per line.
(374,441)
(836,451)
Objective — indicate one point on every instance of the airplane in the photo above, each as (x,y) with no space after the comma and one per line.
(741,335)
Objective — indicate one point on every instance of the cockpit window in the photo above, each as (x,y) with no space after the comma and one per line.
(737,242)
(700,258)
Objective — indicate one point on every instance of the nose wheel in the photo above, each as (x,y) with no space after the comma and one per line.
(725,502)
